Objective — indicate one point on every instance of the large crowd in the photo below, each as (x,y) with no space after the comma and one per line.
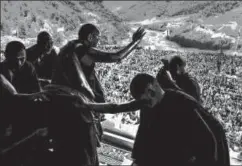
(220,91)
(69,102)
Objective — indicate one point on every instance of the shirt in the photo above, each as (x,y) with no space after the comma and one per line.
(25,80)
(42,63)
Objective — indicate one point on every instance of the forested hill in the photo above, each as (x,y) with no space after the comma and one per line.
(24,19)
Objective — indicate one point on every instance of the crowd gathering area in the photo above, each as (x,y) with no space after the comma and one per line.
(54,103)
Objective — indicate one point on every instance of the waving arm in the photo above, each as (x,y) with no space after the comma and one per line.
(107,57)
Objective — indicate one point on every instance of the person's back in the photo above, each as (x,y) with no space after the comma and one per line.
(60,76)
(189,85)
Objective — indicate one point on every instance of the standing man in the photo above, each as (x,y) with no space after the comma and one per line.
(175,129)
(76,63)
(42,55)
(77,59)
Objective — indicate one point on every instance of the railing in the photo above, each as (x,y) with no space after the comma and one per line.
(116,147)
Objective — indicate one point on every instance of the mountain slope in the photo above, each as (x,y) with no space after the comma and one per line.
(140,10)
(193,24)
(62,19)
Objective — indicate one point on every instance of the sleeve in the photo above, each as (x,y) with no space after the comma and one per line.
(194,89)
(6,87)
(31,55)
(99,56)
(54,62)
(76,77)
(6,73)
(164,80)
(204,138)
(138,149)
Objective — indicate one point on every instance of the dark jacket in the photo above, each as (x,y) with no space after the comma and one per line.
(189,85)
(178,131)
(71,128)
(42,64)
(185,82)
(25,80)
(69,71)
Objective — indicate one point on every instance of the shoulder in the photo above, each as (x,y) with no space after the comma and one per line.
(80,49)
(160,72)
(31,49)
(70,46)
(29,66)
(190,78)
(178,95)
(53,52)
(32,53)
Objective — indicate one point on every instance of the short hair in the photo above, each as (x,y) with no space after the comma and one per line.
(176,60)
(85,30)
(139,83)
(42,37)
(12,48)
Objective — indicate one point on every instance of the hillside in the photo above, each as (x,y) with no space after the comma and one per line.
(191,24)
(62,19)
(141,10)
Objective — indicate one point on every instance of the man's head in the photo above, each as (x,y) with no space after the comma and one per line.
(177,66)
(89,35)
(15,54)
(45,42)
(145,87)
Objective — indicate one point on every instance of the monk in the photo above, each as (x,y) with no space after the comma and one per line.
(175,129)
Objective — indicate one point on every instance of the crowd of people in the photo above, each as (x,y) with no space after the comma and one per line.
(55,101)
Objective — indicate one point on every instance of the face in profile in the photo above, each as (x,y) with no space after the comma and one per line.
(17,61)
(94,38)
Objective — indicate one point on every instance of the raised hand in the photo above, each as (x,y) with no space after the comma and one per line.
(139,34)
